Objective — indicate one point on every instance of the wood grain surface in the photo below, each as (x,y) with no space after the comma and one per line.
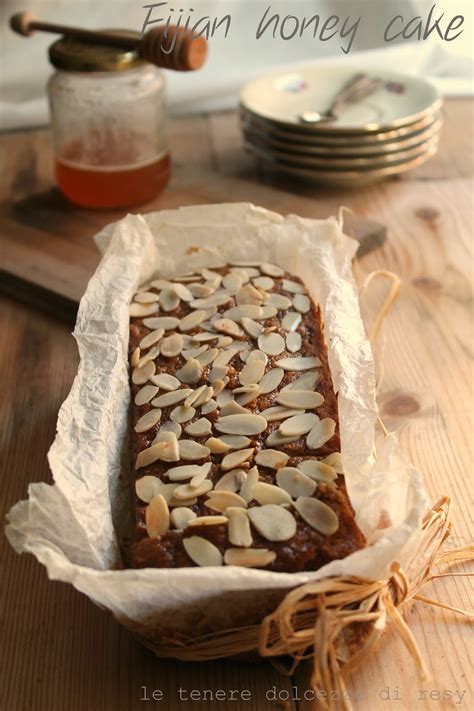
(62,653)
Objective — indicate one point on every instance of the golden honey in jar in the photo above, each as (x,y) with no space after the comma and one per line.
(108,116)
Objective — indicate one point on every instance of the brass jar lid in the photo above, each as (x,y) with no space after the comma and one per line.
(81,56)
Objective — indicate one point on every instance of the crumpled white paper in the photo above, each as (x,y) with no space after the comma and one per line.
(69,526)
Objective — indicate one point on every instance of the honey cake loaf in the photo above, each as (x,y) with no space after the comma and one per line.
(235,435)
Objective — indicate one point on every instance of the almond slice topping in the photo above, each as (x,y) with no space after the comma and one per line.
(227,326)
(304,382)
(293,341)
(272,458)
(151,355)
(295,482)
(165,382)
(147,421)
(191,451)
(291,321)
(209,406)
(231,481)
(264,282)
(249,557)
(145,394)
(235,441)
(317,470)
(187,491)
(233,408)
(271,380)
(220,500)
(183,292)
(271,343)
(146,297)
(252,372)
(204,398)
(192,320)
(239,530)
(217,446)
(279,301)
(234,459)
(301,303)
(273,414)
(157,517)
(187,471)
(147,487)
(141,375)
(181,516)
(241,424)
(271,270)
(208,521)
(334,460)
(182,414)
(172,345)
(295,364)
(321,433)
(168,441)
(140,310)
(276,439)
(200,428)
(298,425)
(166,322)
(202,552)
(191,372)
(300,399)
(251,327)
(273,522)
(293,287)
(171,398)
(152,338)
(149,455)
(270,494)
(246,490)
(135,358)
(169,299)
(170,427)
(318,515)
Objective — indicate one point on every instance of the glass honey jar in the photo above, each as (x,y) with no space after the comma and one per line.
(108,115)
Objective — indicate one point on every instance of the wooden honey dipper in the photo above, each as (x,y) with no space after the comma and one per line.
(189,52)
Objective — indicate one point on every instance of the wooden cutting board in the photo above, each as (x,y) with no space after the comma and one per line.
(47,251)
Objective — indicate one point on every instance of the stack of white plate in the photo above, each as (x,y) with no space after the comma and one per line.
(392,130)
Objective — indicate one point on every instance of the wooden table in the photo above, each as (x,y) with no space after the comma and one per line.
(63,653)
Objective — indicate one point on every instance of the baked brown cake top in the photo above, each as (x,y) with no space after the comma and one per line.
(236,441)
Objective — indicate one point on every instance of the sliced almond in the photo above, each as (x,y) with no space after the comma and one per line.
(152,338)
(209,407)
(218,372)
(146,297)
(220,500)
(161,284)
(148,420)
(141,310)
(208,521)
(157,517)
(264,282)
(182,414)
(268,312)
(231,481)
(225,357)
(227,326)
(271,343)
(276,439)
(319,471)
(305,382)
(171,427)
(171,398)
(187,471)
(236,441)
(241,424)
(191,451)
(234,459)
(239,527)
(148,456)
(183,292)
(141,375)
(208,357)
(168,446)
(237,313)
(249,557)
(195,395)
(192,320)
(246,490)
(279,301)
(151,355)
(200,428)
(147,487)
(278,412)
(202,552)
(321,433)
(166,322)
(165,382)
(172,345)
(233,408)
(334,460)
(298,425)
(248,295)
(252,372)
(181,516)
(317,514)
(295,482)
(217,446)
(135,358)
(271,270)
(200,290)
(224,341)
(293,342)
(273,522)
(271,380)
(300,399)
(191,372)
(167,492)
(145,394)
(232,282)
(298,363)
(291,321)
(204,397)
(249,394)
(219,298)
(169,299)
(186,491)
(270,494)
(301,303)
(293,287)
(271,458)
(251,327)
(209,275)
